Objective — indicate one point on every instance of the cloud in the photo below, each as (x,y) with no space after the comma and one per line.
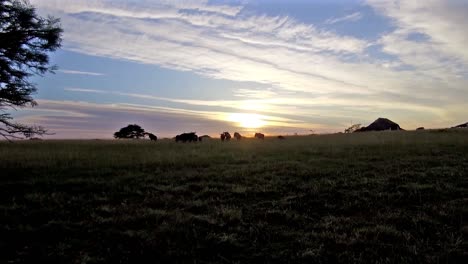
(75,119)
(240,46)
(70,119)
(218,44)
(85,90)
(440,51)
(350,18)
(314,74)
(328,112)
(80,72)
(255,93)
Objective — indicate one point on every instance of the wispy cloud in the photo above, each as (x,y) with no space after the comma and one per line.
(70,118)
(71,89)
(348,18)
(224,45)
(335,74)
(80,72)
(232,45)
(325,111)
(85,90)
(442,52)
(251,93)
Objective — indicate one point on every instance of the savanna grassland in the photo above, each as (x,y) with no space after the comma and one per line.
(388,197)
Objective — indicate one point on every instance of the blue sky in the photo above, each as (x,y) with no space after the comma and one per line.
(278,67)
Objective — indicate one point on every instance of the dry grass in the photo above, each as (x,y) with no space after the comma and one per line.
(398,197)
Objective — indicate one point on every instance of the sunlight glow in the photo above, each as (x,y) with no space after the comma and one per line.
(247,120)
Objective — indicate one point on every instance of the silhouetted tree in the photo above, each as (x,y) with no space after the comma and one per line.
(130,131)
(352,128)
(25,42)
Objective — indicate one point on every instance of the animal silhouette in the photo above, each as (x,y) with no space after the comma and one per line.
(237,136)
(225,136)
(259,136)
(187,137)
(151,136)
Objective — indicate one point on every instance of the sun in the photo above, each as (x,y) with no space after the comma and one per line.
(246,120)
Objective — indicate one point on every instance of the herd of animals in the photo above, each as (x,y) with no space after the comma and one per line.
(225,136)
(380,124)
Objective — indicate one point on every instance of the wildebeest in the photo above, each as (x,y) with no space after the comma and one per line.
(281,137)
(184,137)
(204,137)
(152,137)
(259,136)
(225,136)
(237,136)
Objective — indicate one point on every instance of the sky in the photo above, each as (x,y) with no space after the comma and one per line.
(271,66)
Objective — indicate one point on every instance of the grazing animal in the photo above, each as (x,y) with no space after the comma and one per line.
(225,136)
(259,136)
(152,137)
(237,136)
(281,137)
(184,137)
(204,137)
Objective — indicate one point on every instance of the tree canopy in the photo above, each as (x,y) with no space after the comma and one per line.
(353,128)
(25,42)
(130,131)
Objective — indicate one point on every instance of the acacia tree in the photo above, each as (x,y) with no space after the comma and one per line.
(130,131)
(25,41)
(353,128)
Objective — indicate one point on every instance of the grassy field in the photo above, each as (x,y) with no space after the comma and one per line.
(389,197)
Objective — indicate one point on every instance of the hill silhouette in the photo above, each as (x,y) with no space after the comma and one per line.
(465,125)
(381,124)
